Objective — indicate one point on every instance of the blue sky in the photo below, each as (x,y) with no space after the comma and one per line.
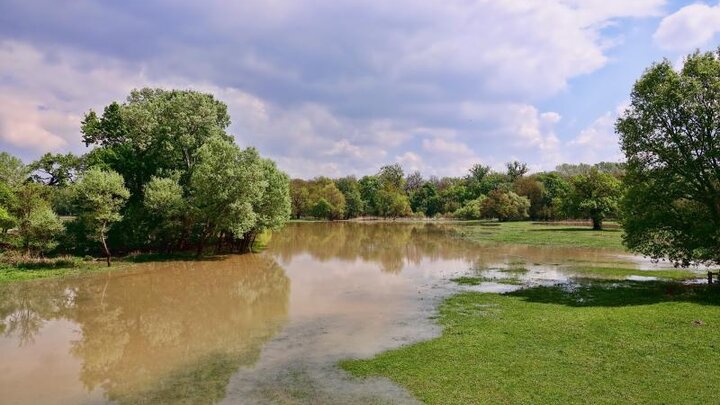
(339,87)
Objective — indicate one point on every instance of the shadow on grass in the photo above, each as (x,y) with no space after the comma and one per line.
(605,293)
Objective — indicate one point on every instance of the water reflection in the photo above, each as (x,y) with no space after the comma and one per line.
(172,332)
(233,330)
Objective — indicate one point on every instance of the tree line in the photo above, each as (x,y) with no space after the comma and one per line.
(163,175)
(577,191)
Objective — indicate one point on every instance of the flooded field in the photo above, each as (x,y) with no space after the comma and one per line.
(261,328)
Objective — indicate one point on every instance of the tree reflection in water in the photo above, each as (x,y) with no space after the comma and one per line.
(171,332)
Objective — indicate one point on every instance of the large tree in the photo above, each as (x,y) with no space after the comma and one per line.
(670,135)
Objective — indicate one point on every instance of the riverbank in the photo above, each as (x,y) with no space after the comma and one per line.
(600,342)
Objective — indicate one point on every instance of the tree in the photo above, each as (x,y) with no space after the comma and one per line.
(323,209)
(299,198)
(164,199)
(350,188)
(101,195)
(56,169)
(413,182)
(534,191)
(12,170)
(393,204)
(37,225)
(273,207)
(555,188)
(516,169)
(392,177)
(426,200)
(369,188)
(671,139)
(472,209)
(225,186)
(594,195)
(505,206)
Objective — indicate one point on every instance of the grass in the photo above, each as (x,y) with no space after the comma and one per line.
(528,233)
(473,281)
(602,342)
(13,273)
(623,273)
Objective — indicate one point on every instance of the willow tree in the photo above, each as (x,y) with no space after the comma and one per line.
(670,135)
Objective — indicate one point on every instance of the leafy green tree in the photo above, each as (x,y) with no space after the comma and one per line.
(164,199)
(7,221)
(393,204)
(594,195)
(350,188)
(369,188)
(534,191)
(37,225)
(670,137)
(505,206)
(555,188)
(323,209)
(392,177)
(299,198)
(472,210)
(13,171)
(101,195)
(474,179)
(426,200)
(226,182)
(273,207)
(56,169)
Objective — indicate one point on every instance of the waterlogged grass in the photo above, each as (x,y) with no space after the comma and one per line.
(12,273)
(603,342)
(528,233)
(623,273)
(474,281)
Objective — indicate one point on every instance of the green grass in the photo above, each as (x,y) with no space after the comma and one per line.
(623,273)
(603,342)
(10,273)
(528,233)
(473,281)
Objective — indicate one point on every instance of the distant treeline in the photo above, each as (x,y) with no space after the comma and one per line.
(163,176)
(570,191)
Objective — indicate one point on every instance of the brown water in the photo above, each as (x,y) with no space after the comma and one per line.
(262,328)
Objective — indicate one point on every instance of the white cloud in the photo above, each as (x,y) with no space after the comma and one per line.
(436,86)
(598,141)
(691,27)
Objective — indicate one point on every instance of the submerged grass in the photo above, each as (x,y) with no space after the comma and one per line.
(600,342)
(473,281)
(529,233)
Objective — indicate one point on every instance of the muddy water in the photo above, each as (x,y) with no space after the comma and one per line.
(263,328)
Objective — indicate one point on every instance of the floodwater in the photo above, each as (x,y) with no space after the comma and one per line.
(259,328)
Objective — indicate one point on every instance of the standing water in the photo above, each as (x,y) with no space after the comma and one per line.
(257,328)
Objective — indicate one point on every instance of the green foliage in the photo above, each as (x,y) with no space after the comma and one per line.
(37,225)
(505,206)
(101,195)
(426,200)
(323,209)
(12,170)
(56,169)
(594,195)
(670,138)
(516,169)
(350,188)
(472,210)
(393,204)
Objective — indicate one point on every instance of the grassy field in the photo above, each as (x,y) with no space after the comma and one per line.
(529,233)
(11,273)
(604,342)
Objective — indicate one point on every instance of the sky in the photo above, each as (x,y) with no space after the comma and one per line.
(339,87)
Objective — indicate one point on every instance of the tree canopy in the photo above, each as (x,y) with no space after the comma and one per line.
(671,138)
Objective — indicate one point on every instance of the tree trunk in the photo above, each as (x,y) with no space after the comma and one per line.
(597,224)
(104,243)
